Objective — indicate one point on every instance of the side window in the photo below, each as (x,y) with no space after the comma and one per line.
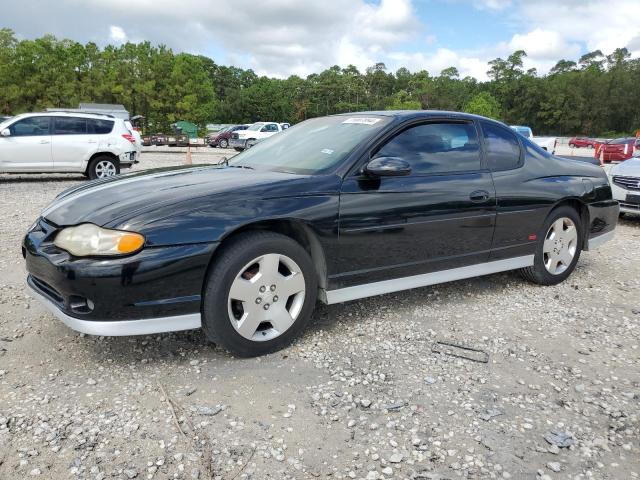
(98,126)
(272,127)
(503,149)
(436,148)
(69,126)
(30,127)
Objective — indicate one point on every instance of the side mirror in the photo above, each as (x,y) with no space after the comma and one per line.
(388,167)
(5,133)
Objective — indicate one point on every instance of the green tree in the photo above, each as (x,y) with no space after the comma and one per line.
(483,104)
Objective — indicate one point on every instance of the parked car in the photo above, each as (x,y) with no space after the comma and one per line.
(547,143)
(625,184)
(336,208)
(95,145)
(254,133)
(159,139)
(582,142)
(221,139)
(178,140)
(616,150)
(146,140)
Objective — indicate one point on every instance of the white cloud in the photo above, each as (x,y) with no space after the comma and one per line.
(543,45)
(117,34)
(595,24)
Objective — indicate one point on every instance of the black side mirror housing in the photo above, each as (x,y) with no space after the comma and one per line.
(387,167)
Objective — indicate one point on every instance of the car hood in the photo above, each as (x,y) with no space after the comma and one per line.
(629,168)
(109,201)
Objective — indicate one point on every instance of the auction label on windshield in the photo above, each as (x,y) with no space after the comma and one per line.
(362,120)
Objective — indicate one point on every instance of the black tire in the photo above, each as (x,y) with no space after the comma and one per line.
(538,272)
(229,262)
(92,172)
(571,145)
(224,143)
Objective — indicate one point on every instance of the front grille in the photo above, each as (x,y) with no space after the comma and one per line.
(628,183)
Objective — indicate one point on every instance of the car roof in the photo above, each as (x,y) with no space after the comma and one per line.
(65,113)
(409,114)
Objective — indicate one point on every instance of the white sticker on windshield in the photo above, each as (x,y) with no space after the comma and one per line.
(328,151)
(362,120)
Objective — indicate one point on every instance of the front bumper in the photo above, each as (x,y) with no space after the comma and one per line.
(116,328)
(156,290)
(629,199)
(237,142)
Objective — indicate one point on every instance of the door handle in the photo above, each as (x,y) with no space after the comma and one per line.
(479,196)
(44,141)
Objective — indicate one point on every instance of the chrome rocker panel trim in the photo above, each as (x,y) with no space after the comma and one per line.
(122,328)
(595,242)
(424,280)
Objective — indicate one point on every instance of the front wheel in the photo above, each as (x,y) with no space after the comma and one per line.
(102,167)
(259,295)
(558,249)
(223,143)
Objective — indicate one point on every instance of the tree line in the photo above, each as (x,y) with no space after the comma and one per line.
(594,95)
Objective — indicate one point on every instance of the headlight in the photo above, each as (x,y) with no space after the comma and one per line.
(89,239)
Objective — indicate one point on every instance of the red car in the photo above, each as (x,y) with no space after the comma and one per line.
(579,142)
(617,150)
(221,139)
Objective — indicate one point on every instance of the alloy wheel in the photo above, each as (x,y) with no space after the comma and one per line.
(266,297)
(560,245)
(105,168)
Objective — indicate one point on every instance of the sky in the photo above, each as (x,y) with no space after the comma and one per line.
(286,37)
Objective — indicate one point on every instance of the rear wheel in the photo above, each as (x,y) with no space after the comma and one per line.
(259,295)
(558,249)
(103,166)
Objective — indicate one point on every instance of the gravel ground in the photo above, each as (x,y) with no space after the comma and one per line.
(360,395)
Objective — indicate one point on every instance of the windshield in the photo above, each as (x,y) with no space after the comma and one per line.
(312,146)
(256,126)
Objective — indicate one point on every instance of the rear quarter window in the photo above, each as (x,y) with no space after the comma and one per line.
(502,147)
(99,126)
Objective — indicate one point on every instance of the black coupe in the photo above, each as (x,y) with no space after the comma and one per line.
(335,208)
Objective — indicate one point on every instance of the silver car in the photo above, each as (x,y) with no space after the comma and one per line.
(625,184)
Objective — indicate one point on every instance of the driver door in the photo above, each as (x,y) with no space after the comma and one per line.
(440,216)
(28,146)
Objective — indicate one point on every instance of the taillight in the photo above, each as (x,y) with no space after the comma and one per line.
(129,137)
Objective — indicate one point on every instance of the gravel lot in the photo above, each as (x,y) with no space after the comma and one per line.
(361,395)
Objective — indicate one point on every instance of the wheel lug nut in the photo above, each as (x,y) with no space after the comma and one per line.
(263,289)
(266,306)
(273,287)
(258,301)
(275,298)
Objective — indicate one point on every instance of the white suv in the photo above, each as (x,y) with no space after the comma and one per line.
(95,145)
